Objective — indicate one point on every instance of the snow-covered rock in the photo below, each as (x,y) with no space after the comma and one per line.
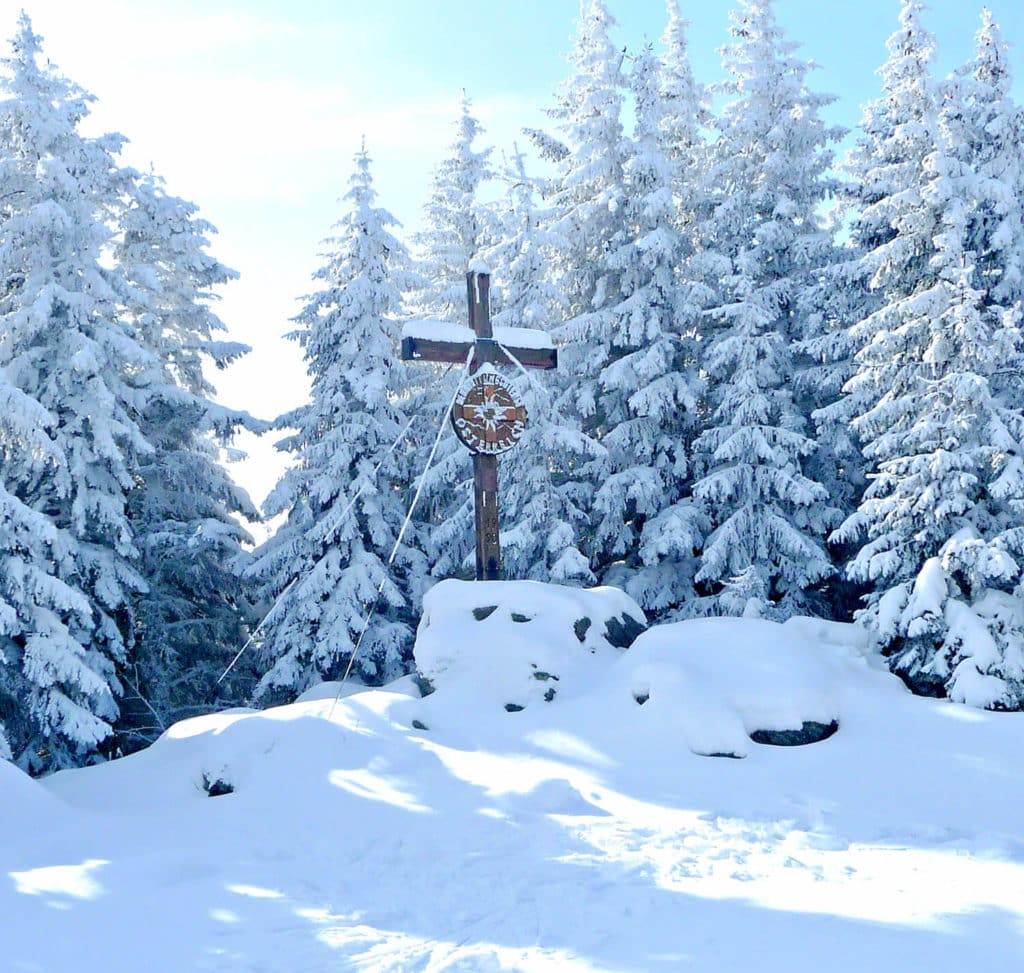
(509,643)
(719,682)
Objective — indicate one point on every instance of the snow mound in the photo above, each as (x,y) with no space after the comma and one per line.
(331,690)
(24,799)
(574,836)
(513,643)
(717,681)
(257,754)
(406,686)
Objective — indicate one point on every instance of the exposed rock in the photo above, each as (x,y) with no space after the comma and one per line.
(581,626)
(217,786)
(513,708)
(622,634)
(516,617)
(422,683)
(485,612)
(810,732)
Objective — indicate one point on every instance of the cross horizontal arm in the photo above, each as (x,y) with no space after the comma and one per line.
(488,352)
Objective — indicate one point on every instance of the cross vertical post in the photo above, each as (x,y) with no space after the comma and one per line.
(485,466)
(488,416)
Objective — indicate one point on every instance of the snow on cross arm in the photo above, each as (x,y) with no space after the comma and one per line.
(428,330)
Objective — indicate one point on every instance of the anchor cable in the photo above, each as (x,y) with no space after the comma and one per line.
(552,493)
(515,361)
(279,600)
(398,541)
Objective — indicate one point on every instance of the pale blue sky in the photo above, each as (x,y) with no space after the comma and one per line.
(253,111)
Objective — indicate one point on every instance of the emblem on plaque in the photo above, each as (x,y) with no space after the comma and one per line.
(488,417)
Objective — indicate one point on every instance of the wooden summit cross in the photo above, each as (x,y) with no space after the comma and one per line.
(488,418)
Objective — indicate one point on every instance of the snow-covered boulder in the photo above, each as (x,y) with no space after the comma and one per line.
(720,683)
(511,643)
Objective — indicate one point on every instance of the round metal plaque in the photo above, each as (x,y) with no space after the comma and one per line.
(487,415)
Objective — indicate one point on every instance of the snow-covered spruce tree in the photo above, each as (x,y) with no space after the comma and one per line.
(839,298)
(889,250)
(541,518)
(893,234)
(945,432)
(646,526)
(184,511)
(584,225)
(685,119)
(38,612)
(65,345)
(763,243)
(343,514)
(457,228)
(981,126)
(587,194)
(891,230)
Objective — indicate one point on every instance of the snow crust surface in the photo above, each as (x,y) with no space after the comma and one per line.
(386,832)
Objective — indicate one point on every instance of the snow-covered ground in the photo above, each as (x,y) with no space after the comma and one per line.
(582,832)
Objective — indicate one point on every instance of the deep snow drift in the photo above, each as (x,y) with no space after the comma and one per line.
(582,830)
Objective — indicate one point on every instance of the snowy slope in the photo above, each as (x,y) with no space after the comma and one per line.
(580,833)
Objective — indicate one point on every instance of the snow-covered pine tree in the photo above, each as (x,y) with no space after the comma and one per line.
(457,228)
(38,612)
(583,225)
(891,230)
(646,526)
(328,559)
(762,244)
(184,512)
(587,194)
(66,346)
(981,124)
(685,119)
(839,298)
(888,253)
(456,225)
(541,518)
(945,433)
